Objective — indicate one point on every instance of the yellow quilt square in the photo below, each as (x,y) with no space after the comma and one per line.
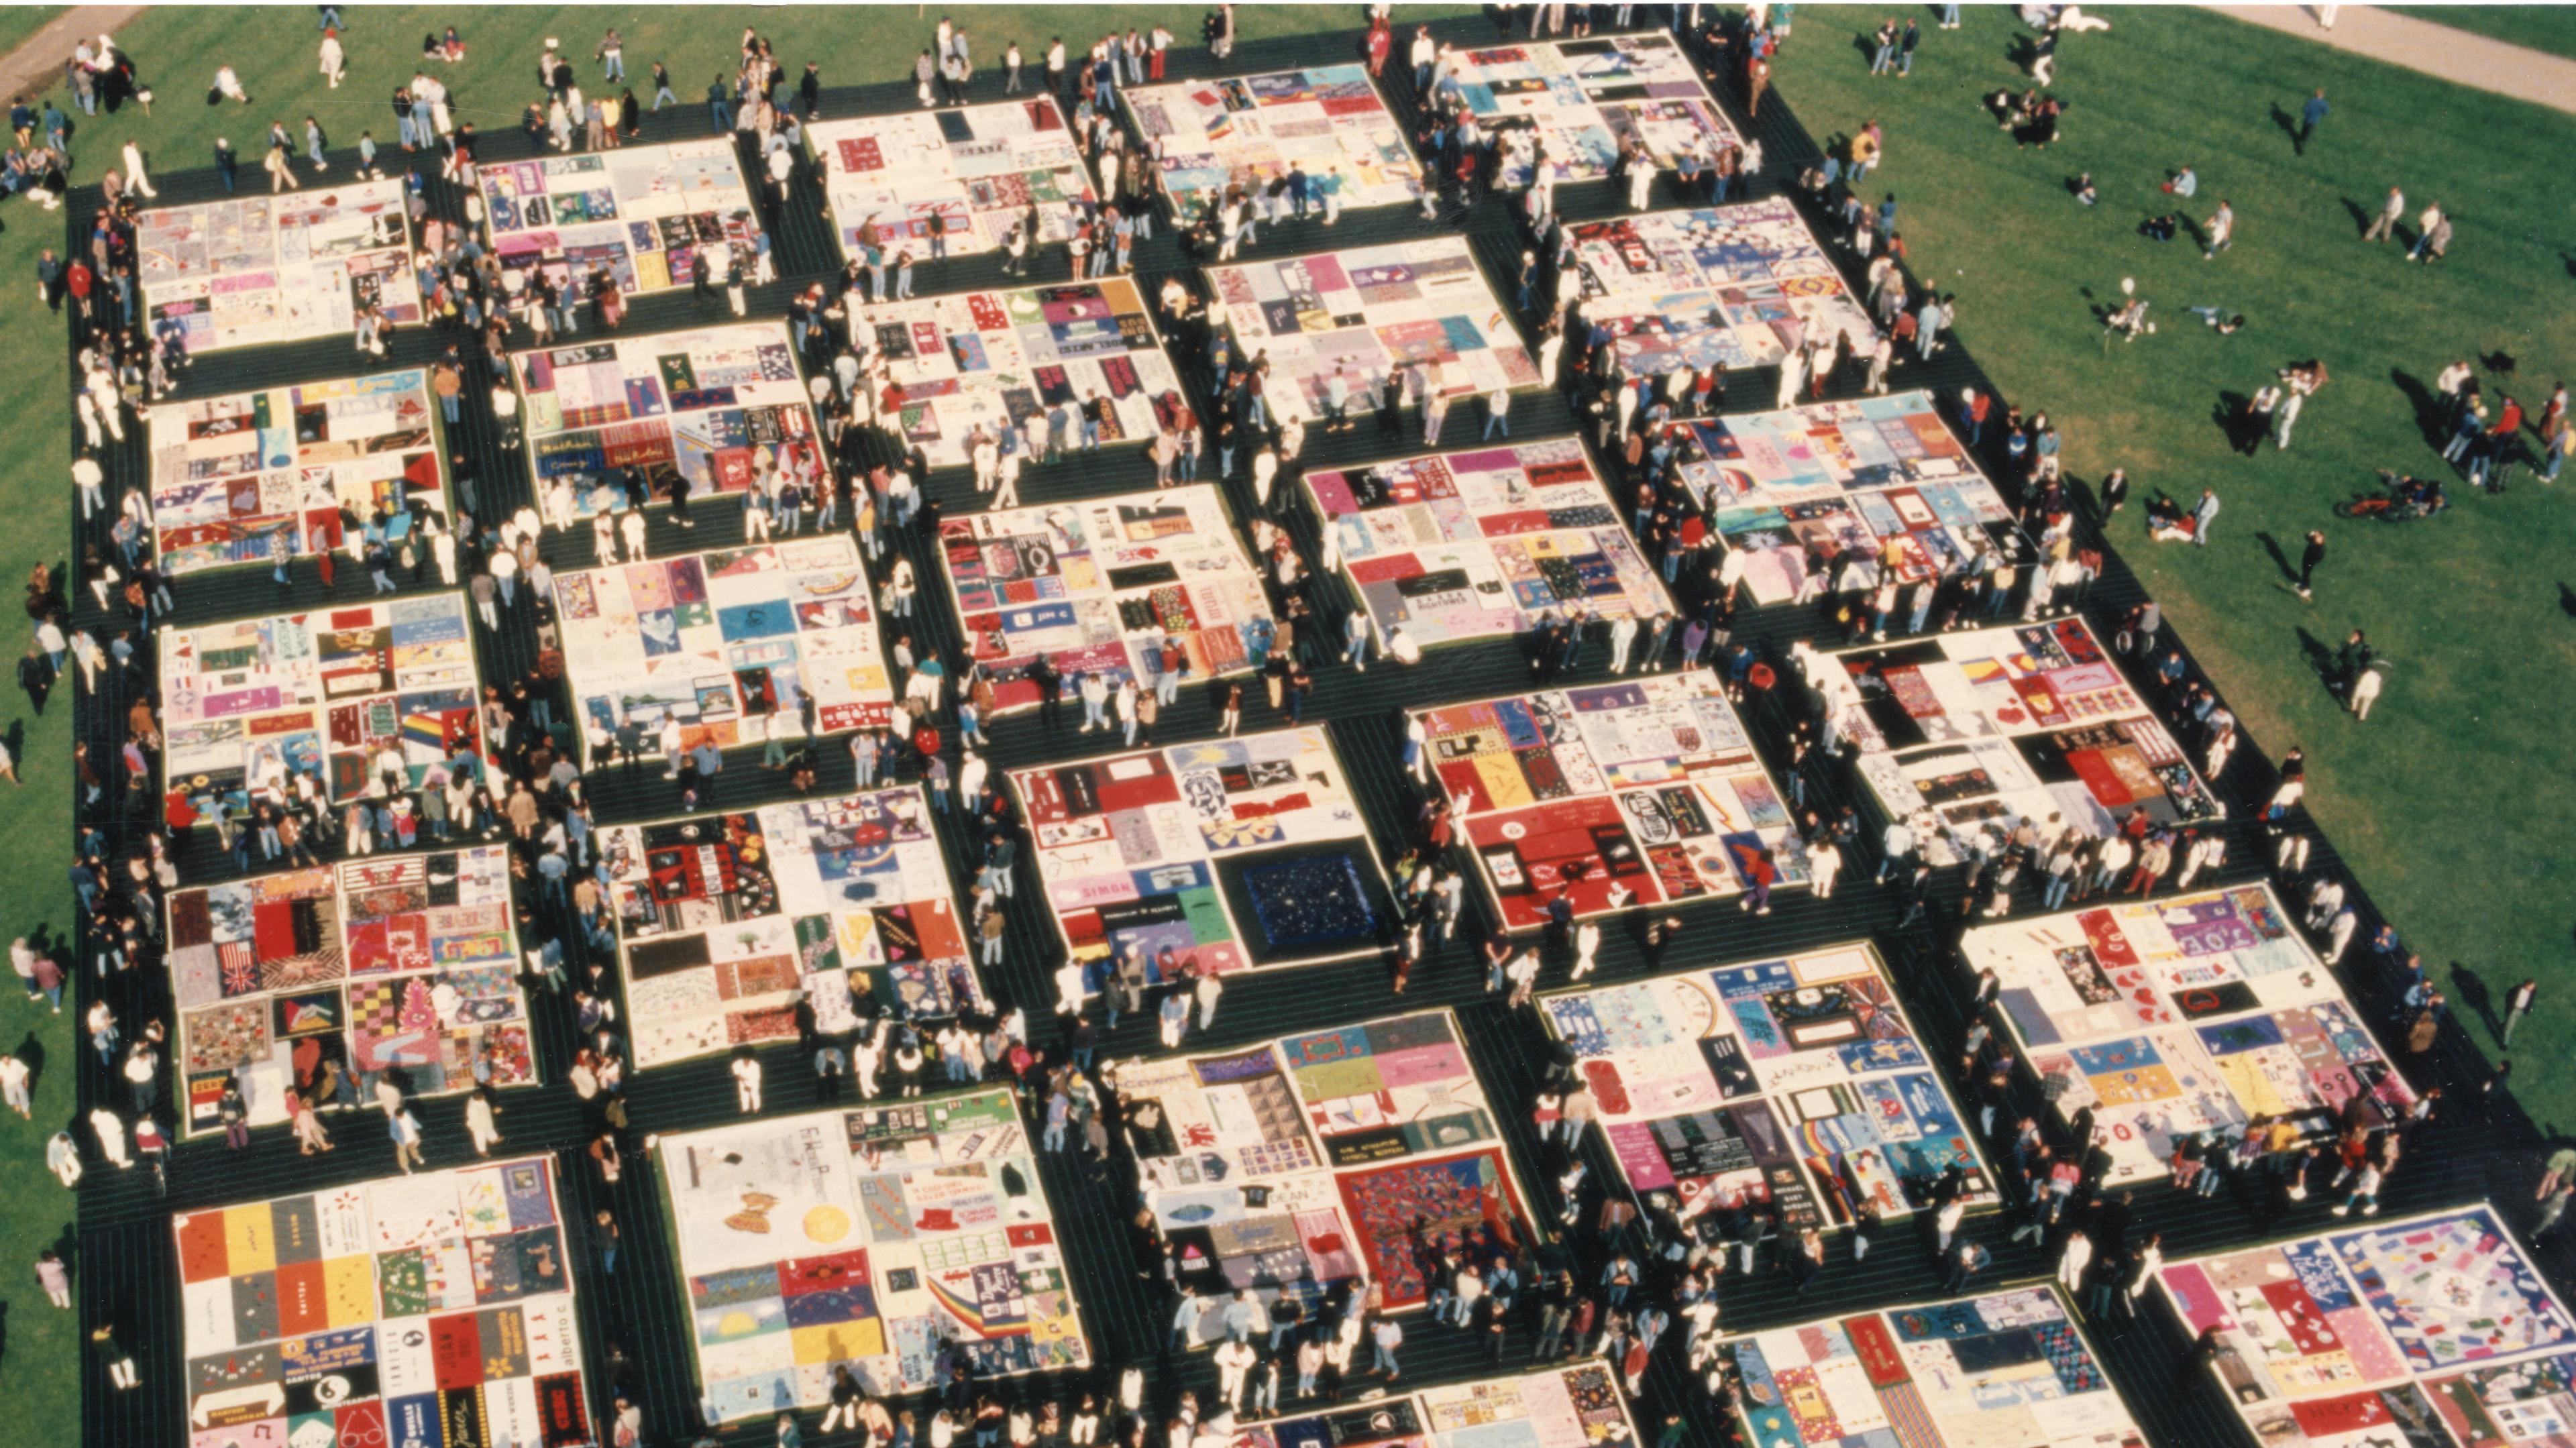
(1503,781)
(833,1342)
(349,1290)
(250,1241)
(2129,1088)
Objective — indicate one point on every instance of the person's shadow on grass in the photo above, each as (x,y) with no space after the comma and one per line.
(2235,417)
(2430,418)
(2471,989)
(2321,659)
(32,1051)
(2281,561)
(2288,123)
(2361,216)
(2567,600)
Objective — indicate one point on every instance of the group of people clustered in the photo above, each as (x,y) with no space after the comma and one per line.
(1637,1276)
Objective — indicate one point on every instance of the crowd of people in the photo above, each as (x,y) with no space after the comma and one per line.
(1619,1280)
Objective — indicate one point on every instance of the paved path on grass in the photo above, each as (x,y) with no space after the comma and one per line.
(34,67)
(2435,50)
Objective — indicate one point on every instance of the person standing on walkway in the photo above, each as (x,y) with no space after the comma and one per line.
(2311,116)
(405,1131)
(110,1131)
(1208,988)
(479,1125)
(2553,1207)
(2309,558)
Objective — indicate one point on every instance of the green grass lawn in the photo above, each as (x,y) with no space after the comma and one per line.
(33,896)
(2441,800)
(2542,27)
(176,51)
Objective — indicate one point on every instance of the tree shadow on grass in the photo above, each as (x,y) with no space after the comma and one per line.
(2430,419)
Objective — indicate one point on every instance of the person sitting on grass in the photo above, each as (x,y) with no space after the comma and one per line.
(2228,323)
(2159,228)
(2167,522)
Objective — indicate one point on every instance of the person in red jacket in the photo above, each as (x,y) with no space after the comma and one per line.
(1759,872)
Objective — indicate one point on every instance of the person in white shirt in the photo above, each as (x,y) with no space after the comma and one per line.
(1265,469)
(1894,847)
(62,1158)
(2150,1261)
(110,1129)
(1234,1361)
(746,1081)
(1641,179)
(1824,863)
(2070,1267)
(93,497)
(1069,991)
(1623,637)
(479,1124)
(135,179)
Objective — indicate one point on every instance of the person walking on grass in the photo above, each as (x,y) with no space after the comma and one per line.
(2222,231)
(2517,1004)
(2309,558)
(2384,224)
(2311,116)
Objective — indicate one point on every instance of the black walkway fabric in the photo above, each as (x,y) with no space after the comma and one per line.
(125,1262)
